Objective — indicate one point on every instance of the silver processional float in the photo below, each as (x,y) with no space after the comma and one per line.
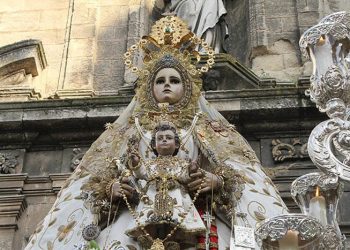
(327,44)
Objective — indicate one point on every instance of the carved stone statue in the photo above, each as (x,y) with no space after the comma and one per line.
(102,199)
(204,18)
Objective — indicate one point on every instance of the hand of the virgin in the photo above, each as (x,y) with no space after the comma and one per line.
(118,188)
(209,181)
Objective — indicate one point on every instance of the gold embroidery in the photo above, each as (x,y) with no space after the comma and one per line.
(64,230)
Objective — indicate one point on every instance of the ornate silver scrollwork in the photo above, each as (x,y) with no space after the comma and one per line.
(301,185)
(329,147)
(342,145)
(330,239)
(338,17)
(330,91)
(336,24)
(277,227)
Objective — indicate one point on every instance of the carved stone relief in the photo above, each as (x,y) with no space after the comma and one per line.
(14,78)
(295,148)
(8,163)
(78,154)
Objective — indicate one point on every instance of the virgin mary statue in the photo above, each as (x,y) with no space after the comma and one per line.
(227,188)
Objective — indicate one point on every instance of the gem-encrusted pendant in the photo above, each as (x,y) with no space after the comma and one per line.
(157,245)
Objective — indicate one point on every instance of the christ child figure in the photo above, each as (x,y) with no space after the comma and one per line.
(164,198)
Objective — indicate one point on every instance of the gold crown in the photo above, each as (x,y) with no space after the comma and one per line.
(170,42)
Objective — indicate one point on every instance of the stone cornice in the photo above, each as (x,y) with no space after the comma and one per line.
(81,120)
(18,184)
(11,177)
(58,180)
(19,113)
(122,101)
(14,188)
(12,184)
(11,207)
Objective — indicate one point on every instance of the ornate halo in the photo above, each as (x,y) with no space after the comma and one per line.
(170,31)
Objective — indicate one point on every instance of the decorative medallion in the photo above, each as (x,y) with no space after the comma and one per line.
(91,232)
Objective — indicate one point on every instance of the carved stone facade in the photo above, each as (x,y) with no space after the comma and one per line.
(22,67)
(57,94)
(295,149)
(84,41)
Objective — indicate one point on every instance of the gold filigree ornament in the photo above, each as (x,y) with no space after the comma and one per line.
(157,245)
(170,44)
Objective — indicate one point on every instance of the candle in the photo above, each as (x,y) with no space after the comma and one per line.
(289,241)
(318,208)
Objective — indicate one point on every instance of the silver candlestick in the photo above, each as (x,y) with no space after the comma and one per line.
(317,195)
(328,44)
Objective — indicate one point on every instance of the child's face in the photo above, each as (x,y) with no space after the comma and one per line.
(165,142)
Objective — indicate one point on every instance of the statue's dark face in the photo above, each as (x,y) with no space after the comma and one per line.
(165,142)
(168,86)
